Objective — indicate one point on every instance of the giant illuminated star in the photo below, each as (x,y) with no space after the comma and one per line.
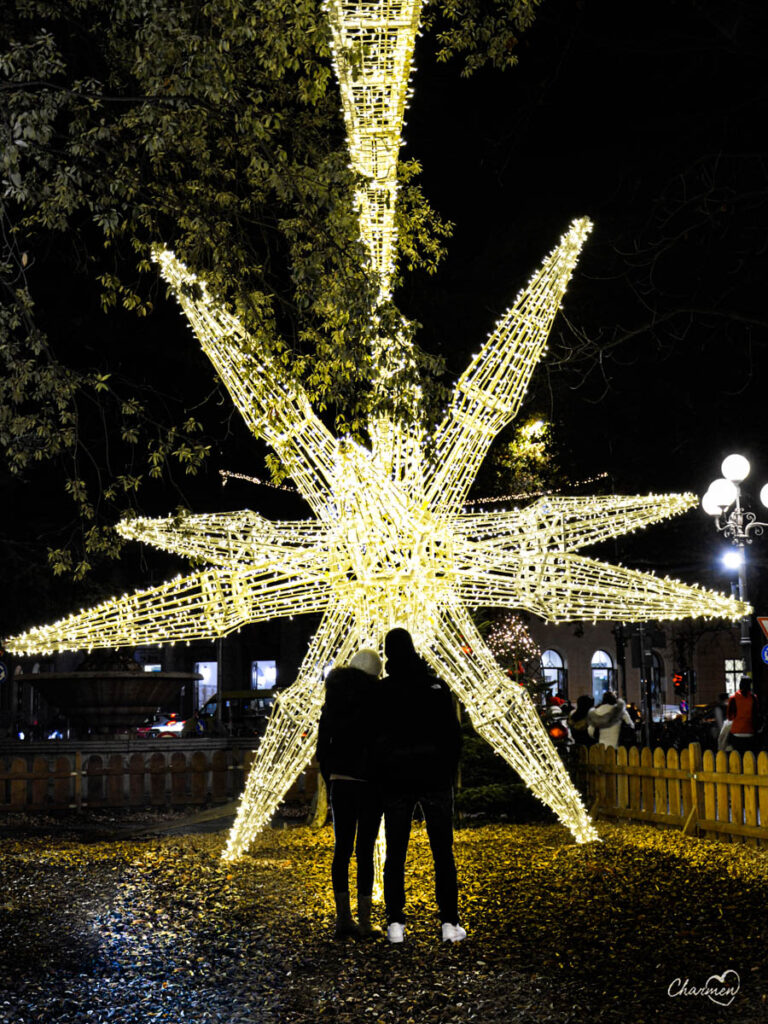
(388,542)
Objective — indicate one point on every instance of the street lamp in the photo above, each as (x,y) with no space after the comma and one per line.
(723,501)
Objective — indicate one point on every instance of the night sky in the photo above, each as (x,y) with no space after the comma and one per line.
(649,120)
(649,117)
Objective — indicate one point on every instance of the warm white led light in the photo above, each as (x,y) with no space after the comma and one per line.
(372,45)
(389,544)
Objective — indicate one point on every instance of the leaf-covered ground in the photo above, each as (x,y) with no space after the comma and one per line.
(160,929)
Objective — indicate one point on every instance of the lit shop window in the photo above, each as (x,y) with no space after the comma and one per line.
(734,670)
(553,671)
(263,675)
(206,687)
(603,674)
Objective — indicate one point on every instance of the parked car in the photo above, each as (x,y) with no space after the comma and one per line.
(243,713)
(161,726)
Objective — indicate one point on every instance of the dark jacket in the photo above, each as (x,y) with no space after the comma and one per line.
(345,733)
(418,741)
(580,730)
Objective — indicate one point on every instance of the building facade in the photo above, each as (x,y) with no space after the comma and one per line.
(586,658)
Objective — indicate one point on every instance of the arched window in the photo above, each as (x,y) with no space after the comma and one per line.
(603,674)
(553,671)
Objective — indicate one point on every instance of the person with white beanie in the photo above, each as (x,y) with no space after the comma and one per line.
(606,719)
(344,754)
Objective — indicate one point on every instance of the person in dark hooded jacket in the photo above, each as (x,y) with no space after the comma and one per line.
(344,754)
(417,753)
(578,723)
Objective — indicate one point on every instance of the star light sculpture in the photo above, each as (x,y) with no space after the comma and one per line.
(389,543)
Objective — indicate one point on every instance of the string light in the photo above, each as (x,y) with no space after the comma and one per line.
(226,475)
(509,640)
(372,46)
(388,543)
(497,499)
(494,499)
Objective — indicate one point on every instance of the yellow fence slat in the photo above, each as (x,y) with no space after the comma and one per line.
(608,763)
(673,783)
(686,791)
(710,792)
(762,795)
(750,796)
(659,782)
(646,784)
(622,781)
(634,780)
(735,792)
(594,754)
(721,787)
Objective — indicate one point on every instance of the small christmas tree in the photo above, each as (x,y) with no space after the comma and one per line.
(517,652)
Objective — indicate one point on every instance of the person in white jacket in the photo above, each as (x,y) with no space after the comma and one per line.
(608,717)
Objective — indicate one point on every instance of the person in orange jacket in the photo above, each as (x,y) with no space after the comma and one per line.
(743,714)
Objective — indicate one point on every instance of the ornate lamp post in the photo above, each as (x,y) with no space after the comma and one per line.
(723,501)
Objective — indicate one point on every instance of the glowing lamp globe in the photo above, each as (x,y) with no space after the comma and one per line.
(735,468)
(710,506)
(764,494)
(733,559)
(723,492)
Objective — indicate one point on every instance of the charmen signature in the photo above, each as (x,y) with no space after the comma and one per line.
(719,988)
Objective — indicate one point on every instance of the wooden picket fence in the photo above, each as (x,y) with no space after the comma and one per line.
(77,780)
(156,775)
(716,795)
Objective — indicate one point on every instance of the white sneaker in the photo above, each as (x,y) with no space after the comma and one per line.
(453,932)
(395,932)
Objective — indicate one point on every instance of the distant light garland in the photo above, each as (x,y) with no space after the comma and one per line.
(226,474)
(527,495)
(388,544)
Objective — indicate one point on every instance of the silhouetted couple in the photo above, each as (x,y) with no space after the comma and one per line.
(385,746)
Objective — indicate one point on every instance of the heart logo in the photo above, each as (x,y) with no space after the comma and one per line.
(726,984)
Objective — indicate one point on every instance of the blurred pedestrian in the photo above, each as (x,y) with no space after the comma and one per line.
(720,710)
(344,742)
(194,726)
(418,752)
(717,717)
